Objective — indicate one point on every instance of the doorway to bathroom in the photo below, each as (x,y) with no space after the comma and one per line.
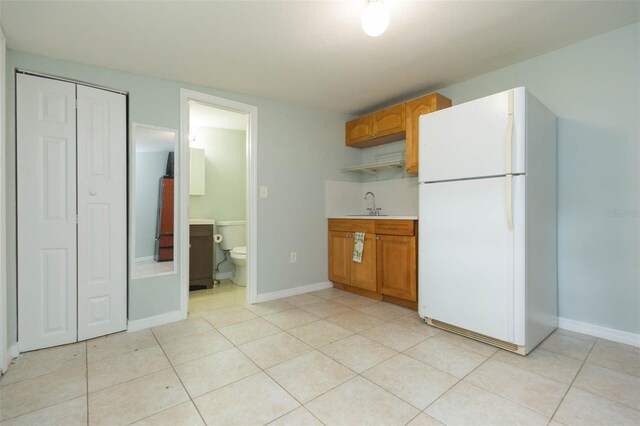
(218,239)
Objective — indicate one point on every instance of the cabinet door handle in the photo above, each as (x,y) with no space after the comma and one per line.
(377,237)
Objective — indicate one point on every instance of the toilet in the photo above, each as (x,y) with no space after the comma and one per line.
(234,240)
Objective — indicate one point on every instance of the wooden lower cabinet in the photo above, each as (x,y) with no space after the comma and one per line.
(201,255)
(363,274)
(389,262)
(397,266)
(340,246)
(343,269)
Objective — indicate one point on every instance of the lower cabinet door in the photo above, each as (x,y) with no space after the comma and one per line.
(397,273)
(363,274)
(201,259)
(340,250)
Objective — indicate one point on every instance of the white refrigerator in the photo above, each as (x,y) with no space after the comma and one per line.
(487,220)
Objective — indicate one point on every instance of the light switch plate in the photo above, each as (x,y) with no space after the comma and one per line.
(264,192)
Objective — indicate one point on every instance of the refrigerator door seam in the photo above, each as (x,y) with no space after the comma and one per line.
(471,178)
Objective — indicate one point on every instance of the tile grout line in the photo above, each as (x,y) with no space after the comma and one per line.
(458,382)
(356,373)
(262,370)
(253,362)
(2,385)
(49,405)
(181,383)
(572,381)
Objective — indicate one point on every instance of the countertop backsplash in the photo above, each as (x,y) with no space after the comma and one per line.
(397,197)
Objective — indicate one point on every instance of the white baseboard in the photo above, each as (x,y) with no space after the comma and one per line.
(145,258)
(265,297)
(154,321)
(14,351)
(598,331)
(223,275)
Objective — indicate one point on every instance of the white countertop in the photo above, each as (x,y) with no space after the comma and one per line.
(374,217)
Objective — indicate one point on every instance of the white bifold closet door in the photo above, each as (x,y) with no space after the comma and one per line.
(71,177)
(46,178)
(102,212)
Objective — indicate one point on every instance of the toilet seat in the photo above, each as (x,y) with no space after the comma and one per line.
(239,252)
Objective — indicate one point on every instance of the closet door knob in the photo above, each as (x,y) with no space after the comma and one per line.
(92,192)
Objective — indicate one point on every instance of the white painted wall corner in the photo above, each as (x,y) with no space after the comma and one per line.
(12,353)
(266,297)
(599,331)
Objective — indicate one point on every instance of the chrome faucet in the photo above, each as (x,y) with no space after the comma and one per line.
(374,211)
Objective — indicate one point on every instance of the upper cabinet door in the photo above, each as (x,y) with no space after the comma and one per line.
(389,121)
(359,130)
(415,108)
(474,139)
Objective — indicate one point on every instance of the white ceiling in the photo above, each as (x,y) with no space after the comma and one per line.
(307,52)
(201,115)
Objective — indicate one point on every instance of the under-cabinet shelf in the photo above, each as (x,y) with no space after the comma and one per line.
(375,167)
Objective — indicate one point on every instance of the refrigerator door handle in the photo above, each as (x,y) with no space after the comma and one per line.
(509,205)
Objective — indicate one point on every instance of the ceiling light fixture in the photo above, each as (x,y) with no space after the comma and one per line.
(375,18)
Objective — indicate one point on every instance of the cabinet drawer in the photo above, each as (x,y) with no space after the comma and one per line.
(200,230)
(395,227)
(352,225)
(166,241)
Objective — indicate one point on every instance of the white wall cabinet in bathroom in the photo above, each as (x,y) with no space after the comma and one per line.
(71,188)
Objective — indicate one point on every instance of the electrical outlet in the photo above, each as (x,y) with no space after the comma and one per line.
(264,191)
(293,257)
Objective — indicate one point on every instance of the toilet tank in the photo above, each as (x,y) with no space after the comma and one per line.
(234,233)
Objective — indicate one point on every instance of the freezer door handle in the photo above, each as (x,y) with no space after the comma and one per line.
(508,148)
(508,142)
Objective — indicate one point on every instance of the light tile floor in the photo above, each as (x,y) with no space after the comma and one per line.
(324,358)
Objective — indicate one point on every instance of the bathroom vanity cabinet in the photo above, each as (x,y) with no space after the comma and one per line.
(388,270)
(201,255)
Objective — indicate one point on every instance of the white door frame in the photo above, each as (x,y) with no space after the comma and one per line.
(252,189)
(4,355)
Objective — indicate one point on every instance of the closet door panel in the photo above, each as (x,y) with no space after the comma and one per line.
(102,221)
(46,192)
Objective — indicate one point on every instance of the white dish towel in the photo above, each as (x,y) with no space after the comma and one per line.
(358,246)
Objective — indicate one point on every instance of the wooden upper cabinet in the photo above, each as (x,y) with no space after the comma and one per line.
(394,124)
(359,130)
(377,128)
(389,121)
(414,109)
